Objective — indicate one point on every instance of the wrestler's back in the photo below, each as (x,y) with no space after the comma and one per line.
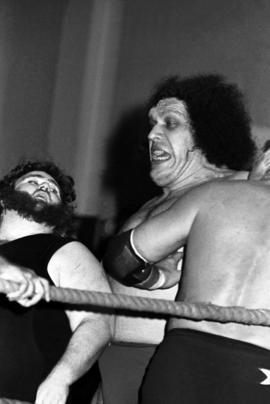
(228,256)
(135,329)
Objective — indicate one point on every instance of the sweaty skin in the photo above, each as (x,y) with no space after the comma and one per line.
(227,225)
(176,166)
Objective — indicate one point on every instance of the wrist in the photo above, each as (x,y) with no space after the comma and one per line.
(62,374)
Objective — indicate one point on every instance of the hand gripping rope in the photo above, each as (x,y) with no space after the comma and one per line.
(192,311)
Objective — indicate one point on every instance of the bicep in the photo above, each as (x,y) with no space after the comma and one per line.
(74,266)
(163,234)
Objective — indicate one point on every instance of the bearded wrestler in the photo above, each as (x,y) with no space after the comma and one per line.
(200,132)
(45,349)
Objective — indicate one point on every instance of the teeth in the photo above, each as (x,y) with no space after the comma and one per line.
(160,158)
(159,155)
(158,152)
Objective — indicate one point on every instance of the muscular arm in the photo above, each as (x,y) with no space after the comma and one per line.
(131,261)
(75,267)
(163,234)
(171,263)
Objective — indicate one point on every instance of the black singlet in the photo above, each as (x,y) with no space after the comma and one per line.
(31,339)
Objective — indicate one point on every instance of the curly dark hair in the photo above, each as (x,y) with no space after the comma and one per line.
(218,117)
(65,182)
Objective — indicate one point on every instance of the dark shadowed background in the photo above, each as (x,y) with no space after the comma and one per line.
(74,76)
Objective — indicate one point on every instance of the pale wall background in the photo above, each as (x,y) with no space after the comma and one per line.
(72,70)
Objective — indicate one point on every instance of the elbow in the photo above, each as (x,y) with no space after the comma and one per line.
(122,263)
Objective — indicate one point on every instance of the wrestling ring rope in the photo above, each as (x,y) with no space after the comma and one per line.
(192,311)
(9,401)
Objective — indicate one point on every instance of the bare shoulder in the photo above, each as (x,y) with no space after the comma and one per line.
(223,192)
(215,185)
(203,194)
(74,265)
(238,175)
(198,192)
(72,252)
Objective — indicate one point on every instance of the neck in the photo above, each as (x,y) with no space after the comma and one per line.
(14,226)
(195,172)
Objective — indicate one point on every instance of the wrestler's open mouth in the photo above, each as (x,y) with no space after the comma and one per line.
(158,154)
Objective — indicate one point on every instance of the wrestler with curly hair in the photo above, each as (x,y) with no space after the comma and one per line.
(59,215)
(200,132)
(217,115)
(45,350)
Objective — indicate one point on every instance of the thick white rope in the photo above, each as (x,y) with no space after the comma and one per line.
(193,311)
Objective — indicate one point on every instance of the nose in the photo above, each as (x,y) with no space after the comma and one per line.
(44,186)
(155,133)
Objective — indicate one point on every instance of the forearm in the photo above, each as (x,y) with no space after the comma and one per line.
(86,344)
(74,266)
(123,262)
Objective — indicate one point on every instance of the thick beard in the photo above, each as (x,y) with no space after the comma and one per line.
(56,216)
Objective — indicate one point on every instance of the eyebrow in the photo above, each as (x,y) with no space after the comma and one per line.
(153,118)
(166,110)
(50,180)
